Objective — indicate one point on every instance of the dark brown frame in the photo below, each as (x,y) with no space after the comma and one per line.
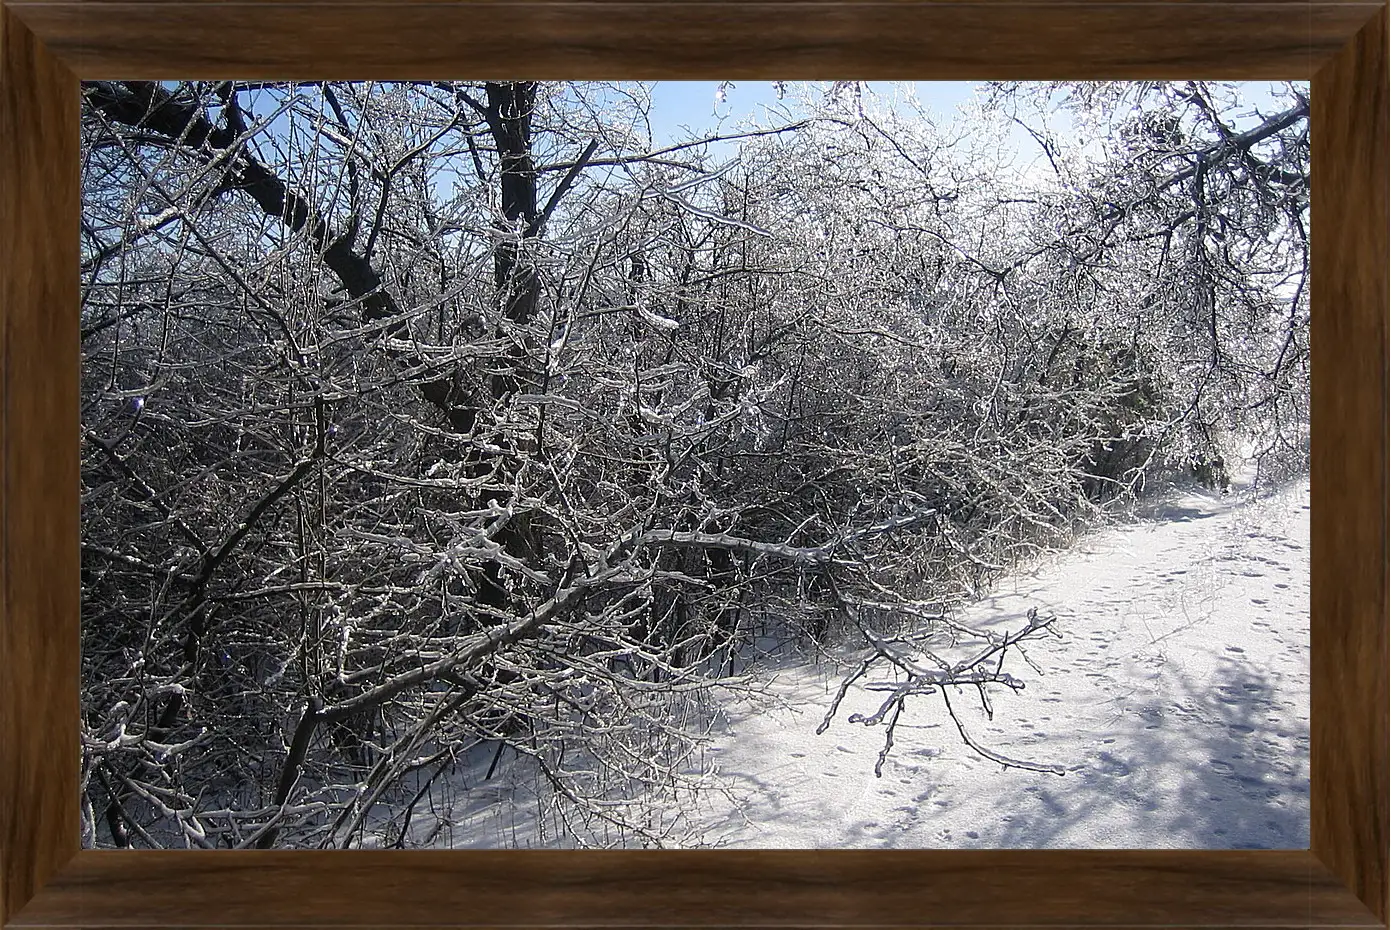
(46,47)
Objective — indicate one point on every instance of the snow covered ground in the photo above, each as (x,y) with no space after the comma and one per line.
(1177,699)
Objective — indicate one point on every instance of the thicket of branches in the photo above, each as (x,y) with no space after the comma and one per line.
(438,418)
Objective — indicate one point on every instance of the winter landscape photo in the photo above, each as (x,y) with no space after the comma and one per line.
(483,464)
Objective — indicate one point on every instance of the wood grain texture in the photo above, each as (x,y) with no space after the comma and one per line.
(754,40)
(696,888)
(780,40)
(38,464)
(1370,5)
(1348,533)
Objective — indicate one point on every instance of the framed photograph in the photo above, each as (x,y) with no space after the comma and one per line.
(435,498)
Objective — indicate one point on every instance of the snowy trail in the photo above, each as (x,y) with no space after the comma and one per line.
(1177,699)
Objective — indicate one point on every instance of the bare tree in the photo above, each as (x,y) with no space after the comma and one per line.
(436,424)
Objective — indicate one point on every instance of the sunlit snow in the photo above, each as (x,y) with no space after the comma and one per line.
(1176,700)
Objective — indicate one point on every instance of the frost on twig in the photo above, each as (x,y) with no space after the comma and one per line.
(907,660)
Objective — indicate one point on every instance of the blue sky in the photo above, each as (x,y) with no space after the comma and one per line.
(684,108)
(695,103)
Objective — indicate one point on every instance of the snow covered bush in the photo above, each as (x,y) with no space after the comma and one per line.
(429,428)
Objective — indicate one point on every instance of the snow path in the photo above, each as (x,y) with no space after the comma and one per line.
(1177,699)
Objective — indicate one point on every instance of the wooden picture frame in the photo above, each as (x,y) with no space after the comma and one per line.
(47,47)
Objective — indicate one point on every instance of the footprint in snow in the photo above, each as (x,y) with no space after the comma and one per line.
(1110,765)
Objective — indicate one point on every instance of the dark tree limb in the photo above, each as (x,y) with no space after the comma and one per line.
(147,105)
(294,761)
